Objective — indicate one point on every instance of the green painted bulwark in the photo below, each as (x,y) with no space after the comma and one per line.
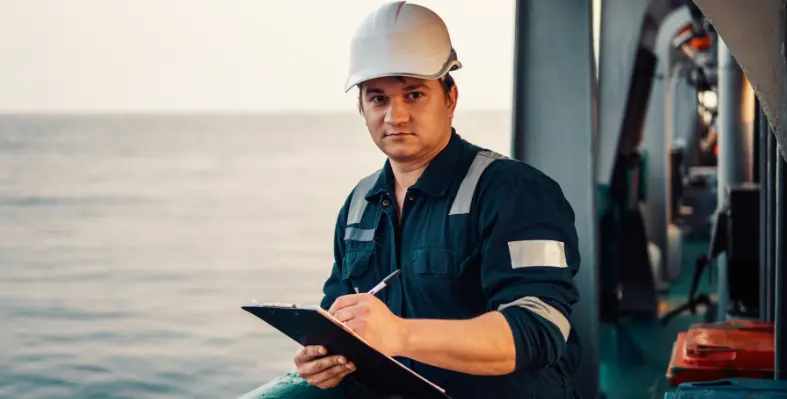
(290,386)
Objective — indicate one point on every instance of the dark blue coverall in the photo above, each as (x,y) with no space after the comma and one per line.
(479,232)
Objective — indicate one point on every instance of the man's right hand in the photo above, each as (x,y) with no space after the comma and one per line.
(320,370)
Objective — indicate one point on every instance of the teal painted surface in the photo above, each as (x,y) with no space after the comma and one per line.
(730,389)
(635,354)
(292,386)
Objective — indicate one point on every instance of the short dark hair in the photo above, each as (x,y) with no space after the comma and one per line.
(447,82)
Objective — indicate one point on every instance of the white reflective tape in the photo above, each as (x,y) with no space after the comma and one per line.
(529,253)
(544,310)
(464,197)
(356,234)
(358,201)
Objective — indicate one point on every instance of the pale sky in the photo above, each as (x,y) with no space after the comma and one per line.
(220,55)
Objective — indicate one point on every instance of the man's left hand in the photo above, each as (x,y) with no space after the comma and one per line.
(372,320)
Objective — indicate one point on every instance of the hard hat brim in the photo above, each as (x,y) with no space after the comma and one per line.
(451,64)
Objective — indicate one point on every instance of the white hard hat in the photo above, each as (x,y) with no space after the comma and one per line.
(401,39)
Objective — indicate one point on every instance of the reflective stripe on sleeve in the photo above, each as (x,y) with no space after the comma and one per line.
(529,253)
(544,310)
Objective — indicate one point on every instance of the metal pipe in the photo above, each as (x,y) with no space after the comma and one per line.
(780,367)
(736,117)
(735,120)
(729,100)
(520,60)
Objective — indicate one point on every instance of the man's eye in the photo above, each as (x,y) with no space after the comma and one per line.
(415,95)
(378,99)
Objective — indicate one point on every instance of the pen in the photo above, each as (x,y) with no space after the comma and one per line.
(377,288)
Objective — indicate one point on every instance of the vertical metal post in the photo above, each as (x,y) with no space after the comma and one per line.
(762,174)
(770,223)
(736,106)
(736,116)
(729,76)
(759,150)
(781,269)
(549,63)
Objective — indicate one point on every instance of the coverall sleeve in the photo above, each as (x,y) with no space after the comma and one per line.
(529,259)
(335,286)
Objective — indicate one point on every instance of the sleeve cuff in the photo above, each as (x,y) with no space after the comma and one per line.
(539,343)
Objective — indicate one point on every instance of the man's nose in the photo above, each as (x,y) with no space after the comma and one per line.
(397,114)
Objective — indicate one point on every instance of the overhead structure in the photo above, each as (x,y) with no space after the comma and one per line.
(754,31)
(627,61)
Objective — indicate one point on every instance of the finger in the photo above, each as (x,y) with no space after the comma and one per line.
(308,353)
(328,374)
(335,380)
(343,302)
(310,369)
(325,375)
(345,314)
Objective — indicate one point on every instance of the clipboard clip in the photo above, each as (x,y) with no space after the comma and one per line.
(274,304)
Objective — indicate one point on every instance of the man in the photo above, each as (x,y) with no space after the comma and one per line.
(486,245)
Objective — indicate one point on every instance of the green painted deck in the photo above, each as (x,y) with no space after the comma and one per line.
(634,356)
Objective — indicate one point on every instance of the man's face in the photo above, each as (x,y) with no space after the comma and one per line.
(408,118)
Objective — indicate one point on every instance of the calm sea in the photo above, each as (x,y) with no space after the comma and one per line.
(129,243)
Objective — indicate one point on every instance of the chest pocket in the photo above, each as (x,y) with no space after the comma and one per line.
(448,283)
(358,270)
(436,262)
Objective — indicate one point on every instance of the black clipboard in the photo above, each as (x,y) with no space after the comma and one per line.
(314,326)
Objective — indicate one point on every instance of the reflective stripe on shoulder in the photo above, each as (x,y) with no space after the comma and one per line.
(530,253)
(358,202)
(464,197)
(356,234)
(544,310)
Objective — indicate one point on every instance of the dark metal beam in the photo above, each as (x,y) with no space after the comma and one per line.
(554,129)
(770,226)
(781,271)
(755,32)
(762,164)
(621,23)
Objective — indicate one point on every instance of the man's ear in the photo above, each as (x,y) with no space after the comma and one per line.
(451,99)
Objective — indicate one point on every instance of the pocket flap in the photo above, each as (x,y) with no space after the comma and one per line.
(356,264)
(434,261)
